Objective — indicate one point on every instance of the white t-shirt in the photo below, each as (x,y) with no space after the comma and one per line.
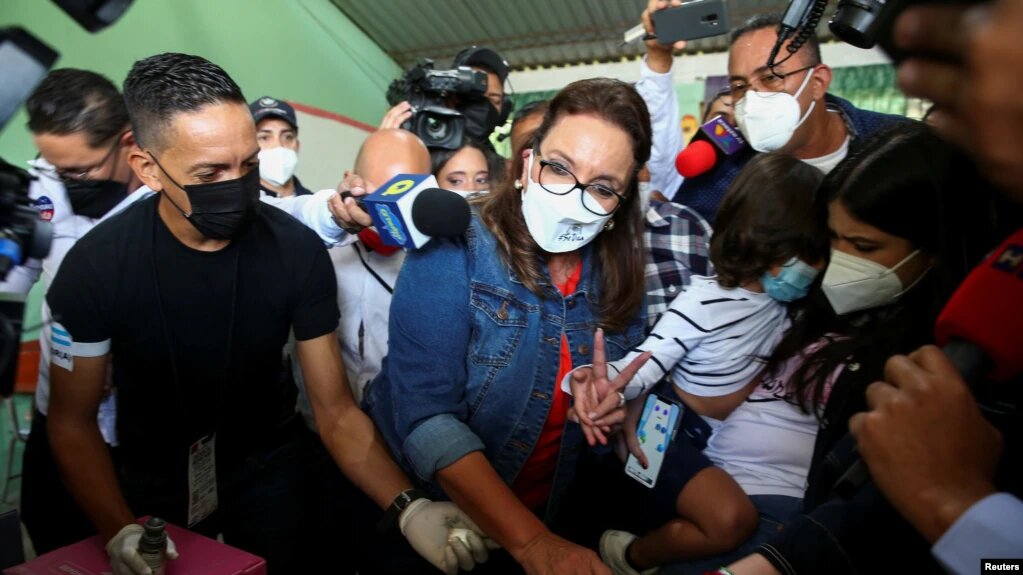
(712,340)
(827,162)
(767,443)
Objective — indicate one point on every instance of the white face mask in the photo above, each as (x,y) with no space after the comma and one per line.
(853,283)
(558,224)
(277,165)
(768,119)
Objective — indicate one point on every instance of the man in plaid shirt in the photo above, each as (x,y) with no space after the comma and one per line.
(677,241)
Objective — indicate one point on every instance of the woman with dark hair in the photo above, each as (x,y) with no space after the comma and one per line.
(898,251)
(471,169)
(483,327)
(903,239)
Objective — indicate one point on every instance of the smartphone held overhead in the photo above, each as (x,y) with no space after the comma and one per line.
(691,21)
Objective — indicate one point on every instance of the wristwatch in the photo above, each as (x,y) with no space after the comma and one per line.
(400,504)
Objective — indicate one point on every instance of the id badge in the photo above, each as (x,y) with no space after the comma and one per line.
(202,479)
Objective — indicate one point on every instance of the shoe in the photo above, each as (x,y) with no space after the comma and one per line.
(612,551)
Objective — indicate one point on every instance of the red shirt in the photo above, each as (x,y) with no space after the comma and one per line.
(533,485)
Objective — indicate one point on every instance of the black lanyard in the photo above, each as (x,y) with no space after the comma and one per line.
(371,271)
(169,339)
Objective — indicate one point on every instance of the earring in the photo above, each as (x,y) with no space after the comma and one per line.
(610,225)
(518,185)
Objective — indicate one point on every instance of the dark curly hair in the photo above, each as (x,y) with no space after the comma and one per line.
(768,216)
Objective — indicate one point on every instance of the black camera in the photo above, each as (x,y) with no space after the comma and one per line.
(24,62)
(864,23)
(439,99)
(22,235)
(861,23)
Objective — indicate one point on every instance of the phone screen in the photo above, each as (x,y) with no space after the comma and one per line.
(655,432)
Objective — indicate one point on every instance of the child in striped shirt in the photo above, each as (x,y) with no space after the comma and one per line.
(769,242)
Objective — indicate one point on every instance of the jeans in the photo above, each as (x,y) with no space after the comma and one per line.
(774,511)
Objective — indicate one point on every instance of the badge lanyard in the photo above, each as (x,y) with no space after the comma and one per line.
(203,499)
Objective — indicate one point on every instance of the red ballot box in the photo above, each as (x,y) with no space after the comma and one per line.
(199,556)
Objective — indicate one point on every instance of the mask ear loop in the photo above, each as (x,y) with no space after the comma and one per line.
(813,103)
(173,181)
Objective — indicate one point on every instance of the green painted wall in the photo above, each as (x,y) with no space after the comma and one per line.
(301,50)
(690,96)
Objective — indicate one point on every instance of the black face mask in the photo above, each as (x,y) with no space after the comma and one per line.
(481,117)
(94,198)
(220,210)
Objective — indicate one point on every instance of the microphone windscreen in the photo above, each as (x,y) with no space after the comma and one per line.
(698,157)
(440,213)
(986,309)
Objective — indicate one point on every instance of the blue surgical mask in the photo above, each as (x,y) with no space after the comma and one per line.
(792,282)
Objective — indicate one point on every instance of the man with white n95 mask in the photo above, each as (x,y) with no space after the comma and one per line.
(784,108)
(277,134)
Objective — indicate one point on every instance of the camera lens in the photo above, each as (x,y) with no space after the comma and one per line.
(436,129)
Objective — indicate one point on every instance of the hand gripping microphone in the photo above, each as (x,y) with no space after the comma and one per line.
(713,141)
(980,329)
(410,209)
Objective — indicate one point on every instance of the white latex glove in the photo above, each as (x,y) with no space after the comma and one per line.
(124,554)
(444,536)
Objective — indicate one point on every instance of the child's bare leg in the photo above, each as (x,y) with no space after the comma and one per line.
(715,516)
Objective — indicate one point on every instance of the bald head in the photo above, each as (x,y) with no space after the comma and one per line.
(387,153)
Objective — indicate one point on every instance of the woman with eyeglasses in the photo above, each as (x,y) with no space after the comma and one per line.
(484,327)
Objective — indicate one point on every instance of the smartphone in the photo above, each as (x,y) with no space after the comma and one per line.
(656,431)
(692,20)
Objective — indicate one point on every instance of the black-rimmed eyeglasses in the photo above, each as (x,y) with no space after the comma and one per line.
(597,198)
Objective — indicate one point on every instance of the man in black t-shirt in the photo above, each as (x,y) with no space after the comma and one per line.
(193,292)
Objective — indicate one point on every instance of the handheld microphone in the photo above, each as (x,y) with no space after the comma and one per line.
(714,140)
(409,210)
(985,310)
(980,330)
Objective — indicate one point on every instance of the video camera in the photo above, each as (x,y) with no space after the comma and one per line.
(861,23)
(435,97)
(22,235)
(24,62)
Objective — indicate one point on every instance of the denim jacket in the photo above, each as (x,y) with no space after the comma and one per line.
(473,356)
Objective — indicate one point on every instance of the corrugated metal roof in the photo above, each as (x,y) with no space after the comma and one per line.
(528,33)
